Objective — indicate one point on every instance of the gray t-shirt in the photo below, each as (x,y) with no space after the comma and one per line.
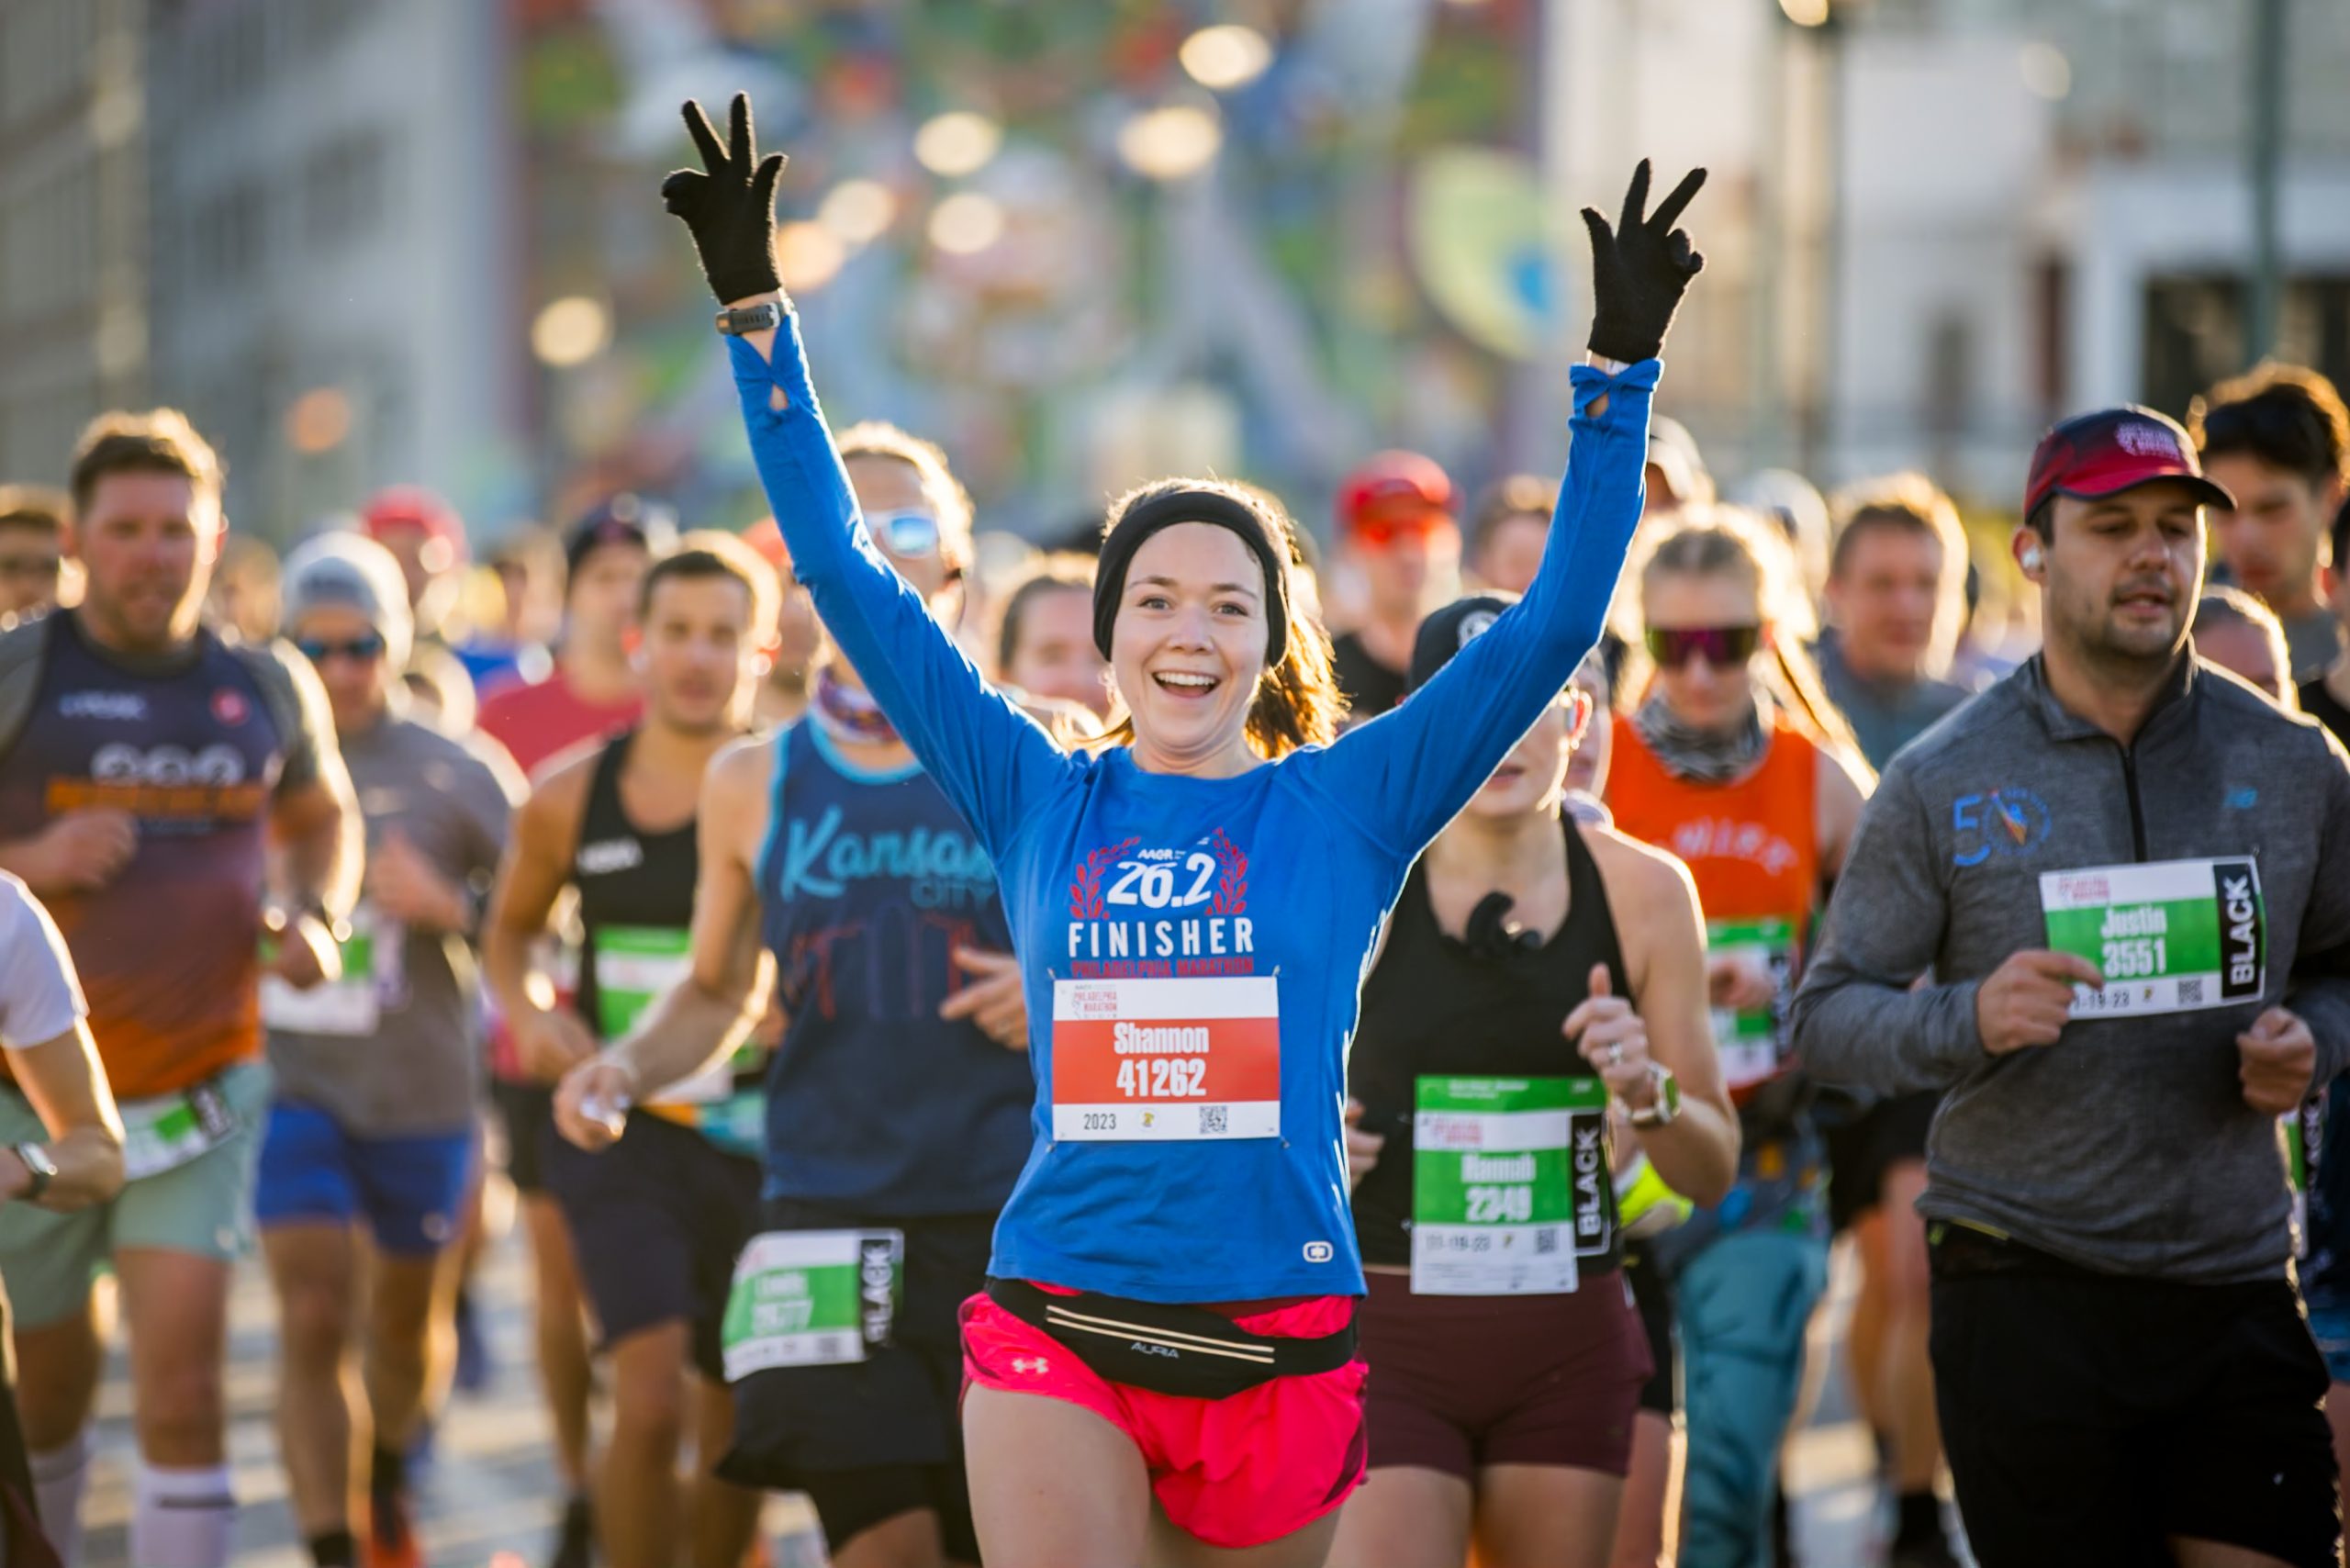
(40,998)
(394,1050)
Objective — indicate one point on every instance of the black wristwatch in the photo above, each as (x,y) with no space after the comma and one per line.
(43,1167)
(751,318)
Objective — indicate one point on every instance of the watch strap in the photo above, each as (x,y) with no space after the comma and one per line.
(39,1166)
(751,318)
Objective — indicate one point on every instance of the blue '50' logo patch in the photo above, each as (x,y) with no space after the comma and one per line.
(2010,820)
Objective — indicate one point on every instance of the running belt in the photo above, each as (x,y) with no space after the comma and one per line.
(1185,1350)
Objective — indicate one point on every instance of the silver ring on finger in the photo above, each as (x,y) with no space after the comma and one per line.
(1615,1054)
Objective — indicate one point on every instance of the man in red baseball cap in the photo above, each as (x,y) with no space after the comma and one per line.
(2099,910)
(1394,517)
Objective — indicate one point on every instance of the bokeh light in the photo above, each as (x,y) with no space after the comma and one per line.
(318,421)
(1805,13)
(1170,143)
(807,256)
(859,211)
(1225,56)
(2046,73)
(956,143)
(966,223)
(571,331)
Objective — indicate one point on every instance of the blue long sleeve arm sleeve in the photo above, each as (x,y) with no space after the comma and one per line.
(992,760)
(1406,773)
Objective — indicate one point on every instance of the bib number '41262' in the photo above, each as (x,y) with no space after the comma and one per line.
(2169,936)
(1195,1057)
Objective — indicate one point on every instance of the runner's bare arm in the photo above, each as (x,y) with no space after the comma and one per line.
(1837,799)
(705,1016)
(1664,954)
(536,871)
(68,1089)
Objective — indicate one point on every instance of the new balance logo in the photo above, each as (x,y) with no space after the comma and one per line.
(125,705)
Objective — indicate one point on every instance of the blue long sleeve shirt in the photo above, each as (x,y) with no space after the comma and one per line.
(1308,853)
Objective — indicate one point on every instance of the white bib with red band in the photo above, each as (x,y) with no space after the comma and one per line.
(1197,1057)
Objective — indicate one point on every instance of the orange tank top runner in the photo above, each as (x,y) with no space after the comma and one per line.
(1752,846)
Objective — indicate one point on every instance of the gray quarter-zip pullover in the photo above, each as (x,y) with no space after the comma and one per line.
(2126,1145)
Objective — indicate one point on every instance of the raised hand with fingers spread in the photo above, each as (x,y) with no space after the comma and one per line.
(1638,270)
(729,205)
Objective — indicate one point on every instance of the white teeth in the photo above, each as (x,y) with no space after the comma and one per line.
(1184,678)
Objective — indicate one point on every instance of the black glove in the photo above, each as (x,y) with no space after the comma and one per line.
(731,209)
(1638,270)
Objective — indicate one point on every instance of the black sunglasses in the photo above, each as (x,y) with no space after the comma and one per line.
(1721,646)
(366,649)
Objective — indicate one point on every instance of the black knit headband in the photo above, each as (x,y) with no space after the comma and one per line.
(1191,506)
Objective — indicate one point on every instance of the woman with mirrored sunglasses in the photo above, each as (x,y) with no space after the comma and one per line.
(1735,760)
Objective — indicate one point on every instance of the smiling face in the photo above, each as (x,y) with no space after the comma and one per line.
(1188,646)
(2120,573)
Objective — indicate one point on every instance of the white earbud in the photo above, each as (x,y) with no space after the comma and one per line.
(2031,557)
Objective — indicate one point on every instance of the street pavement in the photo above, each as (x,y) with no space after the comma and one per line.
(488,1499)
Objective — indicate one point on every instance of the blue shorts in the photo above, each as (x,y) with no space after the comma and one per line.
(2330,1327)
(409,1188)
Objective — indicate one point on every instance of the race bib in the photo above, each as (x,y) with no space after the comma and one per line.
(352,1007)
(167,1131)
(1509,1184)
(1748,1038)
(810,1298)
(1137,1059)
(2171,936)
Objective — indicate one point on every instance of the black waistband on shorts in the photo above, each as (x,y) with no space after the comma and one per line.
(1190,1352)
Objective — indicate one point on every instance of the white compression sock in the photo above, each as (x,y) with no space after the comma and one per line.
(184,1518)
(60,1477)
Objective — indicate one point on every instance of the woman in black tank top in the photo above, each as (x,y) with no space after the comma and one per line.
(1536,973)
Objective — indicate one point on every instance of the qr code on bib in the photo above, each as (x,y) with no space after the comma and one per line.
(2190,992)
(1211,1119)
(1546,1240)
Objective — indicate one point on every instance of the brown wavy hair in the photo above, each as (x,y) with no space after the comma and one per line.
(1297,701)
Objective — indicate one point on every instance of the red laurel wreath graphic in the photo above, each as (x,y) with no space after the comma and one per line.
(1085,890)
(1232,883)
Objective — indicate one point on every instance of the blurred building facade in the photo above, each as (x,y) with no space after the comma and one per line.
(74,251)
(332,189)
(1940,224)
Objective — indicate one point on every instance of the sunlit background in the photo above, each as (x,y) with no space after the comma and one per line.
(1085,241)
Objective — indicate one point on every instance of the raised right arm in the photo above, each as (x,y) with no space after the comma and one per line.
(991,758)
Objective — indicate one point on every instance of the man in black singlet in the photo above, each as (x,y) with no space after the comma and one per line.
(656,1223)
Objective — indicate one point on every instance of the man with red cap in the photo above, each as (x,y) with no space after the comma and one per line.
(1394,516)
(2103,909)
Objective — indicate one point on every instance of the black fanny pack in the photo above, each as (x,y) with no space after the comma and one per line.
(1184,1351)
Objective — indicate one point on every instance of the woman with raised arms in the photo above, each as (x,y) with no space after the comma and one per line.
(1163,1364)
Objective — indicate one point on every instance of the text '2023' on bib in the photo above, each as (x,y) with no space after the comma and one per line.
(811,1298)
(2168,936)
(1196,1058)
(1509,1184)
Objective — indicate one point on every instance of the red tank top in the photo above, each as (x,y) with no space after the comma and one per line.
(1752,847)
